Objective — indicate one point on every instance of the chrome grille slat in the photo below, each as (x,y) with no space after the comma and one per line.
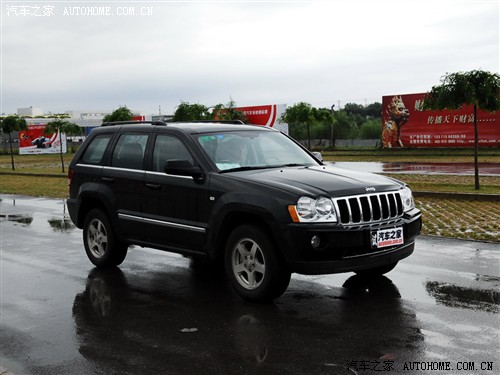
(378,207)
(370,208)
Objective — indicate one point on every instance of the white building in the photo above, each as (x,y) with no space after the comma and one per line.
(29,111)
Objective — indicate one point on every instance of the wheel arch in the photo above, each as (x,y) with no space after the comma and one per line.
(86,205)
(91,199)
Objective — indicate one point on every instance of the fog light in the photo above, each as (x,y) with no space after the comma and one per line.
(315,241)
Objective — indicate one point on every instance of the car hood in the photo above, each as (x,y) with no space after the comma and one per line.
(321,180)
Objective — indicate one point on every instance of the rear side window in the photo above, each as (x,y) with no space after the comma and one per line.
(95,151)
(129,151)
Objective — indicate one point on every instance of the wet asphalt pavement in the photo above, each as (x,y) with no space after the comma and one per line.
(436,313)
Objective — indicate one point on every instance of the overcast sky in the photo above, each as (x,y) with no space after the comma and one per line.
(255,52)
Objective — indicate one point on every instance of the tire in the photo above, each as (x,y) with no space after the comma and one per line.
(101,245)
(377,271)
(253,266)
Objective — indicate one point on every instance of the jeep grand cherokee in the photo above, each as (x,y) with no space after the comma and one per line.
(246,196)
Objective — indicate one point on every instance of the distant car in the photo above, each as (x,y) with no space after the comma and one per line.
(247,197)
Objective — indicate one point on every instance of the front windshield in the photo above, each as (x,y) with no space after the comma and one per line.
(238,150)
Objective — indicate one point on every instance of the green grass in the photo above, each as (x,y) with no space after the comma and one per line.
(52,187)
(50,164)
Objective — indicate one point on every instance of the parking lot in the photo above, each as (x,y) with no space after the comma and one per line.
(437,312)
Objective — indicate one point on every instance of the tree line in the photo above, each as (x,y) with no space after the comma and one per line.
(304,121)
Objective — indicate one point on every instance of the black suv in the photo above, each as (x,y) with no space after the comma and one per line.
(248,197)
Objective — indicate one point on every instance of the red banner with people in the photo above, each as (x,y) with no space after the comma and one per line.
(35,141)
(405,124)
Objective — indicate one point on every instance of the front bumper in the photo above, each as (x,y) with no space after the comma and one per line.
(344,249)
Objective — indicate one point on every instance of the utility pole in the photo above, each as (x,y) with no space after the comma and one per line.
(331,139)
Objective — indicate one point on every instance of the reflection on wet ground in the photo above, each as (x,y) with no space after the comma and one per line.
(163,313)
(485,169)
(13,208)
(192,318)
(9,212)
(457,296)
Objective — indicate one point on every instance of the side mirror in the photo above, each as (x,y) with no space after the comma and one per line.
(318,156)
(184,168)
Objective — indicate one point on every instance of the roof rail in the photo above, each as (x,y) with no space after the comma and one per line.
(220,121)
(133,122)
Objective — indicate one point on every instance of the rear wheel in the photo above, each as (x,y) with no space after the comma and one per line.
(252,265)
(377,271)
(101,245)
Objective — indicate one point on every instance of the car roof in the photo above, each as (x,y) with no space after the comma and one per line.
(188,127)
(204,127)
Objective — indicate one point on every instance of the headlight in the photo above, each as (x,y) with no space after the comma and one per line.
(407,198)
(308,209)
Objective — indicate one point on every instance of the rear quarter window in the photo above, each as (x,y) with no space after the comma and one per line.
(95,150)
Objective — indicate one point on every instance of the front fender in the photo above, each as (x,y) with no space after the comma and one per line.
(236,208)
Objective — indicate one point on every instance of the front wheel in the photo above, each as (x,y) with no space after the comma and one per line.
(253,266)
(101,245)
(377,271)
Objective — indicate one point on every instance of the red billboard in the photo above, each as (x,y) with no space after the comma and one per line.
(34,141)
(266,115)
(405,124)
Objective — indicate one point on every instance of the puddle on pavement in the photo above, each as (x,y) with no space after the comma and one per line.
(18,209)
(456,296)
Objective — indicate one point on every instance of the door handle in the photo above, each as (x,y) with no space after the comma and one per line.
(108,179)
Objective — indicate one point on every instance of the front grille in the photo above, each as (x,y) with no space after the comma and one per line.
(369,208)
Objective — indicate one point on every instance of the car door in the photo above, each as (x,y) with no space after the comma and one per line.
(124,176)
(174,206)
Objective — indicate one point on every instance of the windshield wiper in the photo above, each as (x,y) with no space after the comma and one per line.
(293,165)
(247,168)
(255,167)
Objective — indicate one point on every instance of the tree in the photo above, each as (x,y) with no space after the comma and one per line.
(191,112)
(323,124)
(370,129)
(345,125)
(355,109)
(11,124)
(298,115)
(60,126)
(370,110)
(478,88)
(227,112)
(120,114)
(374,110)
